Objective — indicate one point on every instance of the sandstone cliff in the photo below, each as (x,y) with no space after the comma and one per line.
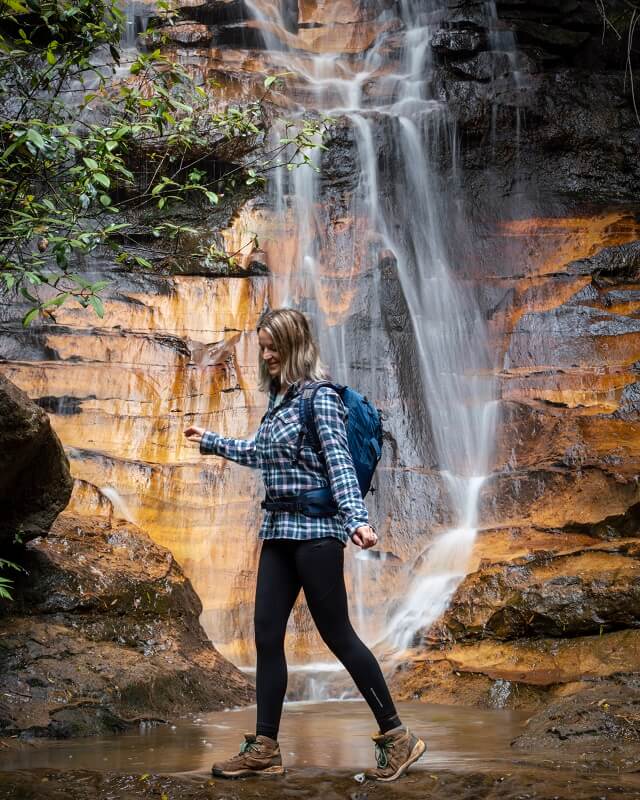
(546,174)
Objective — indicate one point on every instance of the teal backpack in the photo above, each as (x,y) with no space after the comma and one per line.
(364,435)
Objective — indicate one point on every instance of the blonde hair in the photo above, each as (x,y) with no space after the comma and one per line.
(296,347)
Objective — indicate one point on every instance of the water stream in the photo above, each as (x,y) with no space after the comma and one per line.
(312,736)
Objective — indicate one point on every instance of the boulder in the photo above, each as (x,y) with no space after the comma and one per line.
(186,33)
(35,481)
(588,591)
(103,634)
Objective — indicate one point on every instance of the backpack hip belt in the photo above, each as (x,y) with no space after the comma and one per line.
(316,503)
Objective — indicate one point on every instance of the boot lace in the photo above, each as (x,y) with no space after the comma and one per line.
(248,746)
(382,755)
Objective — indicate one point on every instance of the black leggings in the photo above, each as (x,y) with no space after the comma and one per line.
(316,566)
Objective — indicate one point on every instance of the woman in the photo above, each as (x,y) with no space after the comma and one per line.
(305,552)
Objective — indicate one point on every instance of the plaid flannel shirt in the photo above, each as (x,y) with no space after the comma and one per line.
(272,450)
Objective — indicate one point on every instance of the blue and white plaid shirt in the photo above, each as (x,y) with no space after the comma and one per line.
(272,450)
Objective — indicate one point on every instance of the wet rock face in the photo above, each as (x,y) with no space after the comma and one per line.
(542,131)
(549,614)
(104,632)
(456,42)
(594,719)
(556,578)
(186,33)
(35,482)
(560,100)
(548,594)
(212,12)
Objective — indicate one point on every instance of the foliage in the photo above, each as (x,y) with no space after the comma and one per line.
(74,125)
(5,583)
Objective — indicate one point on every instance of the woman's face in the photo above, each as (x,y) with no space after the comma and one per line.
(269,353)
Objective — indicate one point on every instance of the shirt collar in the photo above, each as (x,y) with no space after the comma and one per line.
(289,394)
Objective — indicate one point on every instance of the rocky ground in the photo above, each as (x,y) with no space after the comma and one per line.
(515,783)
(103,634)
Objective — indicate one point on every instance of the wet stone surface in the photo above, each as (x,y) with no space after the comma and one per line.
(516,782)
(324,747)
(104,633)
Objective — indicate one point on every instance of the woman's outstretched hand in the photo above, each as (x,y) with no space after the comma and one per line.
(365,537)
(194,434)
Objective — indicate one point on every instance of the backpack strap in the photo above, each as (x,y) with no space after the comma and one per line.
(307,415)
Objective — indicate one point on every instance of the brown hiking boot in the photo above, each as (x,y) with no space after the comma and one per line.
(258,755)
(396,750)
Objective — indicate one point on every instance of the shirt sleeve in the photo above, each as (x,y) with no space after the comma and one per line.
(330,416)
(242,451)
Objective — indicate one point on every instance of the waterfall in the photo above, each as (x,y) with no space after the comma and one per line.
(401,211)
(400,222)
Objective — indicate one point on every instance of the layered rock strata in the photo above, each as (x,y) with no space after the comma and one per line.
(547,174)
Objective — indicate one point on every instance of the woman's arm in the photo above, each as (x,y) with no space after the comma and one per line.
(330,415)
(242,451)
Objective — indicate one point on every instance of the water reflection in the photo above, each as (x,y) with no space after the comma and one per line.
(328,735)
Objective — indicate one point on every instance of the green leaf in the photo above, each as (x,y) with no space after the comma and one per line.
(270,81)
(19,141)
(91,163)
(116,226)
(29,317)
(105,200)
(97,304)
(4,592)
(56,301)
(83,282)
(27,295)
(16,7)
(102,179)
(35,138)
(213,198)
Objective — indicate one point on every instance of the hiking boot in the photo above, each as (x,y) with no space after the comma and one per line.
(258,755)
(396,750)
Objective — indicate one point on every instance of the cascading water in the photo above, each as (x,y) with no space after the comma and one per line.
(395,218)
(401,209)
